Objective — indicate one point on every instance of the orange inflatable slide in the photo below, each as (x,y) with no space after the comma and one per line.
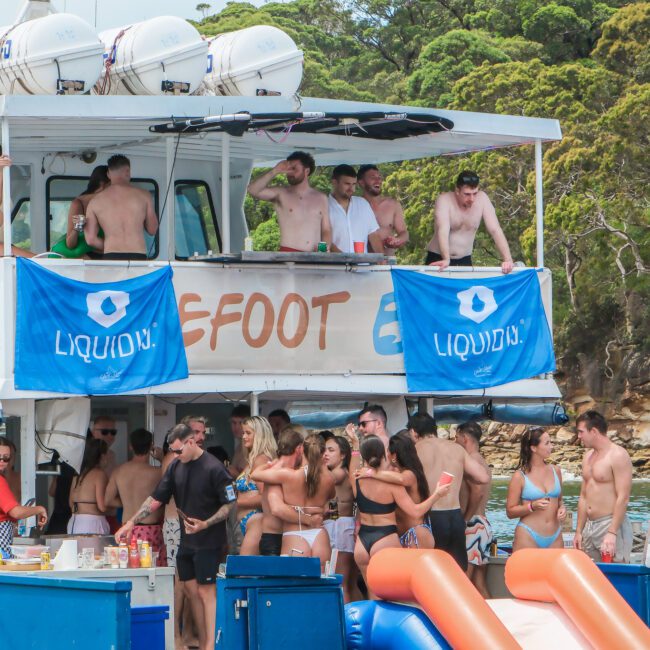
(581,597)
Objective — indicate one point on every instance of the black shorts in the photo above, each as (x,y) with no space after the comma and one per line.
(125,256)
(459,261)
(270,543)
(448,528)
(199,564)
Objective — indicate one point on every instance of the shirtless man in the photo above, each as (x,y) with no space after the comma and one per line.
(372,422)
(388,211)
(458,216)
(131,483)
(437,456)
(603,526)
(473,500)
(237,416)
(352,217)
(123,212)
(302,211)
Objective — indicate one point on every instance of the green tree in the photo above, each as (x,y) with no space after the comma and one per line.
(624,45)
(204,8)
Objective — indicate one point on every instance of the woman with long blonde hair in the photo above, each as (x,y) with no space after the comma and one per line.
(259,448)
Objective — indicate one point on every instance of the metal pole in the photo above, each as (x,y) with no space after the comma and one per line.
(539,203)
(254,403)
(169,218)
(225,192)
(28,454)
(6,189)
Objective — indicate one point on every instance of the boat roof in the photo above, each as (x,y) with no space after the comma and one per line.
(73,124)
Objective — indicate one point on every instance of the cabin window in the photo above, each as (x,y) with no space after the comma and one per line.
(60,192)
(196,228)
(21,217)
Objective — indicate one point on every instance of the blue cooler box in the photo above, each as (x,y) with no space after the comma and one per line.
(632,581)
(148,627)
(275,603)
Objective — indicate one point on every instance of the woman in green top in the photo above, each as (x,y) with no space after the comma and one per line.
(74,243)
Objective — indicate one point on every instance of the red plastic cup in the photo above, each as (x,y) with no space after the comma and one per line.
(446,478)
(359,247)
(607,558)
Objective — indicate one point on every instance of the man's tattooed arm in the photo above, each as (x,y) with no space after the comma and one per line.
(150,505)
(221,514)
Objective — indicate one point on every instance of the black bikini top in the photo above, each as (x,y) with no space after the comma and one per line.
(369,507)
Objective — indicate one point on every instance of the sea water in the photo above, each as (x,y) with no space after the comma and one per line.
(504,528)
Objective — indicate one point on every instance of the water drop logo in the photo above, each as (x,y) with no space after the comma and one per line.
(107,307)
(477,303)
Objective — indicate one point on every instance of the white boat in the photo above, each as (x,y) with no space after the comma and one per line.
(207,170)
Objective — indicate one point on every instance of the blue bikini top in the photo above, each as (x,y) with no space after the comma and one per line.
(531,492)
(244,484)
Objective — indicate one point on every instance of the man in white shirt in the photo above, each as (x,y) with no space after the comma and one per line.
(351,217)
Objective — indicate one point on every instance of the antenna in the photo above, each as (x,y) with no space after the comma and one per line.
(34,9)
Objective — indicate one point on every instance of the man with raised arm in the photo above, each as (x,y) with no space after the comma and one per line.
(473,503)
(603,526)
(130,483)
(388,211)
(458,215)
(123,212)
(438,456)
(204,496)
(353,220)
(302,211)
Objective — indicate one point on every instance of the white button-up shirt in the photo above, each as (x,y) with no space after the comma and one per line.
(354,225)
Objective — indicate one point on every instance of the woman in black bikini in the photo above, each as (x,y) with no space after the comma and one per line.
(377,503)
(87,494)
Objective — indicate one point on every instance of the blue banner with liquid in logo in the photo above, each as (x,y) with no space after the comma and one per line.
(461,334)
(89,339)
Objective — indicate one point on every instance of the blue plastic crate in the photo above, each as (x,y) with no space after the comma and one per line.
(148,627)
(632,581)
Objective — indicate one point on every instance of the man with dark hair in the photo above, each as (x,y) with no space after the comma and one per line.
(237,465)
(302,211)
(278,419)
(388,211)
(204,496)
(603,526)
(131,483)
(438,456)
(473,502)
(123,212)
(104,428)
(353,220)
(372,422)
(458,215)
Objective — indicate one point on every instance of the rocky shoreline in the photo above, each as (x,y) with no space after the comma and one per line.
(629,426)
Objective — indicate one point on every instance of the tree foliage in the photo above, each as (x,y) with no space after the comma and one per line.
(583,62)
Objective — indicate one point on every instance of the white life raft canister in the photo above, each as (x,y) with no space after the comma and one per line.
(163,55)
(57,54)
(256,61)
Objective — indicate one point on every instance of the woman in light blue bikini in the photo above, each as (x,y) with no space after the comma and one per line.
(259,448)
(535,494)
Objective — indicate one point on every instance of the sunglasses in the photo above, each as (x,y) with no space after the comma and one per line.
(108,432)
(178,451)
(365,422)
(5,459)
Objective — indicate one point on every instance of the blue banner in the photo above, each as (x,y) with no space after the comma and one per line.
(471,333)
(91,339)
